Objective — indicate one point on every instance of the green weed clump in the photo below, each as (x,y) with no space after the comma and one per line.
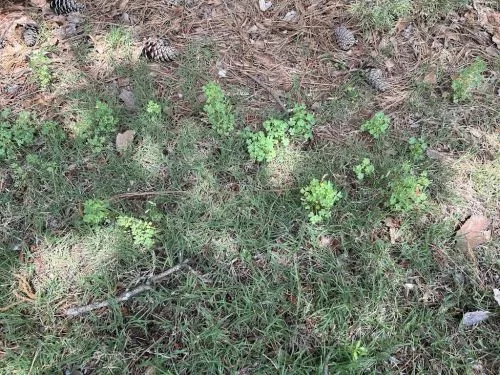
(381,14)
(262,145)
(143,232)
(468,79)
(15,134)
(318,198)
(39,64)
(363,169)
(153,110)
(301,123)
(408,190)
(97,126)
(377,125)
(95,211)
(218,109)
(417,148)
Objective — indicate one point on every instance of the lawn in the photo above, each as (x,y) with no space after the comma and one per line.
(303,198)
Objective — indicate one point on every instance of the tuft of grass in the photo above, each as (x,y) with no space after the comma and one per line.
(468,79)
(381,14)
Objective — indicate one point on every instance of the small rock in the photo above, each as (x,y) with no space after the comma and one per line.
(124,140)
(222,73)
(128,98)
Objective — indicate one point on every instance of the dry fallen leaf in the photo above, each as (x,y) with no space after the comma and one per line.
(489,19)
(124,140)
(496,295)
(265,5)
(474,317)
(473,232)
(128,98)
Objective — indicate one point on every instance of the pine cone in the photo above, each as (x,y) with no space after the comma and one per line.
(344,37)
(30,34)
(159,50)
(66,6)
(376,79)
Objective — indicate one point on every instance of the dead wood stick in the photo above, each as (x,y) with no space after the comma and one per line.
(145,194)
(264,86)
(75,311)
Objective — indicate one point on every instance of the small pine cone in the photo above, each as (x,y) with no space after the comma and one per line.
(66,6)
(30,34)
(159,50)
(344,37)
(376,79)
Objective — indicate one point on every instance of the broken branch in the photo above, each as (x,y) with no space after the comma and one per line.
(76,311)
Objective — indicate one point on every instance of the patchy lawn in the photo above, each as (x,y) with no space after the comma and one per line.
(311,194)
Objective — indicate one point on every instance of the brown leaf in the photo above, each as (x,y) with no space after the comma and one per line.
(430,76)
(489,19)
(473,232)
(124,140)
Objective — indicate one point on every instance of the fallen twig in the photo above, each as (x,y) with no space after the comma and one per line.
(145,194)
(264,86)
(76,311)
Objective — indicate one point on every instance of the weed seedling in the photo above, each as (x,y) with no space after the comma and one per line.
(357,350)
(39,64)
(142,231)
(377,125)
(408,190)
(467,80)
(97,126)
(218,109)
(260,146)
(417,148)
(318,198)
(95,211)
(153,110)
(301,123)
(277,130)
(365,168)
(16,134)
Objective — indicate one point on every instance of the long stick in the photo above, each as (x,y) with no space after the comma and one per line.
(75,311)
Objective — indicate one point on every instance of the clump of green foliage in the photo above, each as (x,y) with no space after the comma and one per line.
(408,190)
(318,198)
(381,14)
(468,79)
(153,110)
(365,168)
(357,350)
(262,145)
(98,126)
(301,123)
(15,134)
(143,232)
(218,109)
(95,211)
(417,148)
(52,131)
(277,130)
(39,64)
(377,125)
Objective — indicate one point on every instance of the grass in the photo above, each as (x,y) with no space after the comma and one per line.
(284,295)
